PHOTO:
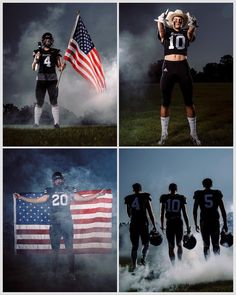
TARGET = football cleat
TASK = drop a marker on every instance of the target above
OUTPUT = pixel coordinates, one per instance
(143, 261)
(56, 126)
(163, 139)
(195, 140)
(36, 126)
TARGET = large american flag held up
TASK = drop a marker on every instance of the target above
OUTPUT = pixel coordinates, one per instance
(83, 56)
(92, 225)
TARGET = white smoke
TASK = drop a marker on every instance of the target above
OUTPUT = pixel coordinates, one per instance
(138, 52)
(159, 274)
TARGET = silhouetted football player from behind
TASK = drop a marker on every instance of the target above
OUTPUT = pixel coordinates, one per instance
(172, 208)
(209, 201)
(138, 205)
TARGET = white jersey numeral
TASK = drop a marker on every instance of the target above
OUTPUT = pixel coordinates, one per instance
(179, 42)
(47, 61)
(60, 200)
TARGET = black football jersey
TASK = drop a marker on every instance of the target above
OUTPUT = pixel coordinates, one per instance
(138, 205)
(48, 60)
(60, 199)
(173, 205)
(175, 42)
(209, 201)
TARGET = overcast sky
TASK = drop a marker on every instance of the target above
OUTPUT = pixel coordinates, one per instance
(23, 26)
(139, 45)
(155, 169)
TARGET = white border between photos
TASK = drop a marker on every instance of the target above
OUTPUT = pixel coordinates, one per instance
(117, 148)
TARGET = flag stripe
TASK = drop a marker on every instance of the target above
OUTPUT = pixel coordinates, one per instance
(80, 64)
(84, 58)
(92, 225)
(76, 246)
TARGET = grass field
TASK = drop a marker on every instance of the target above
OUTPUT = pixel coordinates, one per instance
(140, 119)
(67, 136)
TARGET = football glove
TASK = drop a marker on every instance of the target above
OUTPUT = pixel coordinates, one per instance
(162, 18)
(192, 21)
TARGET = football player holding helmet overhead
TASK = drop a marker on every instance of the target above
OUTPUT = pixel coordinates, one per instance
(59, 197)
(138, 205)
(209, 201)
(172, 208)
(46, 60)
(176, 30)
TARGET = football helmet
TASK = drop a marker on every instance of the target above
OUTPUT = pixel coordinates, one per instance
(226, 239)
(47, 39)
(189, 241)
(155, 237)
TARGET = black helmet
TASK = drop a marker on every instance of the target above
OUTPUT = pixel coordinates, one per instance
(226, 239)
(49, 36)
(57, 175)
(189, 241)
(155, 237)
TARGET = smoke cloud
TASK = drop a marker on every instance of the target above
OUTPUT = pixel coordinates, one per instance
(159, 274)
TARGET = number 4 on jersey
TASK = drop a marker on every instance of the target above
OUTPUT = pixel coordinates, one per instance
(47, 61)
(135, 204)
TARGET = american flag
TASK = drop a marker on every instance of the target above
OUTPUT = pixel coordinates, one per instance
(92, 225)
(83, 56)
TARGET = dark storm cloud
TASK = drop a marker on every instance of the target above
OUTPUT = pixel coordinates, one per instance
(23, 26)
(139, 45)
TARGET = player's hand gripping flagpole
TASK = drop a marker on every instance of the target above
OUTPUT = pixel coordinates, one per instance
(83, 56)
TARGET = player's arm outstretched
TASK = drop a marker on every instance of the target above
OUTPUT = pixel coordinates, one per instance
(224, 216)
(41, 199)
(79, 197)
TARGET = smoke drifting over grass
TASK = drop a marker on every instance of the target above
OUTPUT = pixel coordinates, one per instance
(159, 274)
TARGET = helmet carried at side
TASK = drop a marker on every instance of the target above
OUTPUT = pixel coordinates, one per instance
(189, 241)
(155, 237)
(226, 239)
